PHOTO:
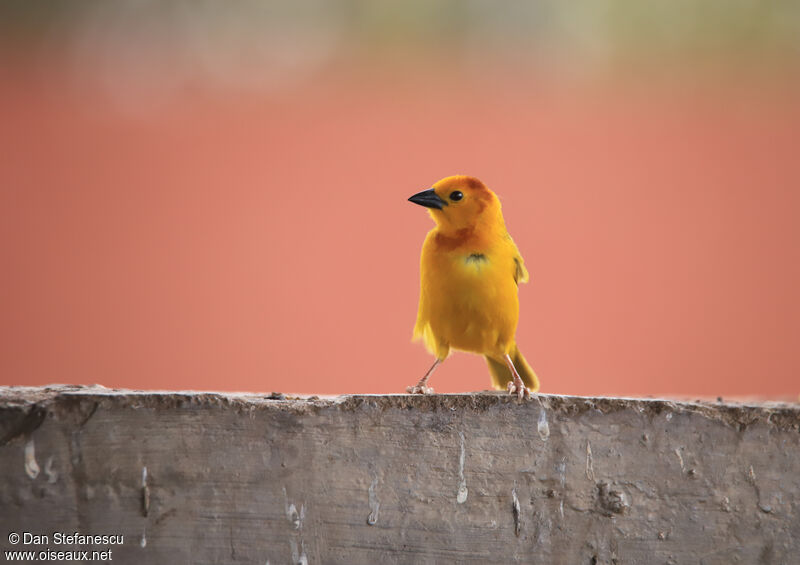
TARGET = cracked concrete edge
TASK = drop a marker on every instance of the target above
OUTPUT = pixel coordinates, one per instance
(32, 403)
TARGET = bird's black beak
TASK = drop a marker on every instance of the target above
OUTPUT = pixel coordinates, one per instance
(429, 199)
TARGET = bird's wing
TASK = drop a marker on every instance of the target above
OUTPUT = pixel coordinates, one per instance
(520, 272)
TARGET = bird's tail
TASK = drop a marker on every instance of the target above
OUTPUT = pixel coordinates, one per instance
(501, 375)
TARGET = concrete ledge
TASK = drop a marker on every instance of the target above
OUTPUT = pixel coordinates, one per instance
(472, 478)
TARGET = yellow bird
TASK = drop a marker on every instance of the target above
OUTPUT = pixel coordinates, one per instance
(470, 269)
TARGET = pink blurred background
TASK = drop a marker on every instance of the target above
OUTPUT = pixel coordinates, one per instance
(215, 198)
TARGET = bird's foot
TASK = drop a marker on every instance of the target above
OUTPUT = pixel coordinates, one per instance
(519, 389)
(419, 389)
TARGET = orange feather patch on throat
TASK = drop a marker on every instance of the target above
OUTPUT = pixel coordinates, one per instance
(450, 242)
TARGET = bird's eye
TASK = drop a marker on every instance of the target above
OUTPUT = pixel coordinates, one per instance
(456, 195)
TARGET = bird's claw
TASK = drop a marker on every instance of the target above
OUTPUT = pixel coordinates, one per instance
(419, 389)
(519, 389)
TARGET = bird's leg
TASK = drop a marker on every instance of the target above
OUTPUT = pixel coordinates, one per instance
(422, 387)
(516, 386)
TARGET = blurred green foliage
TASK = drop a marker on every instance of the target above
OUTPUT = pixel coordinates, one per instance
(599, 30)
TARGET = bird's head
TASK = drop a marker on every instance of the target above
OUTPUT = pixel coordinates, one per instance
(460, 202)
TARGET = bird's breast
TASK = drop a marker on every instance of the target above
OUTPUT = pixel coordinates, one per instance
(471, 298)
(465, 277)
